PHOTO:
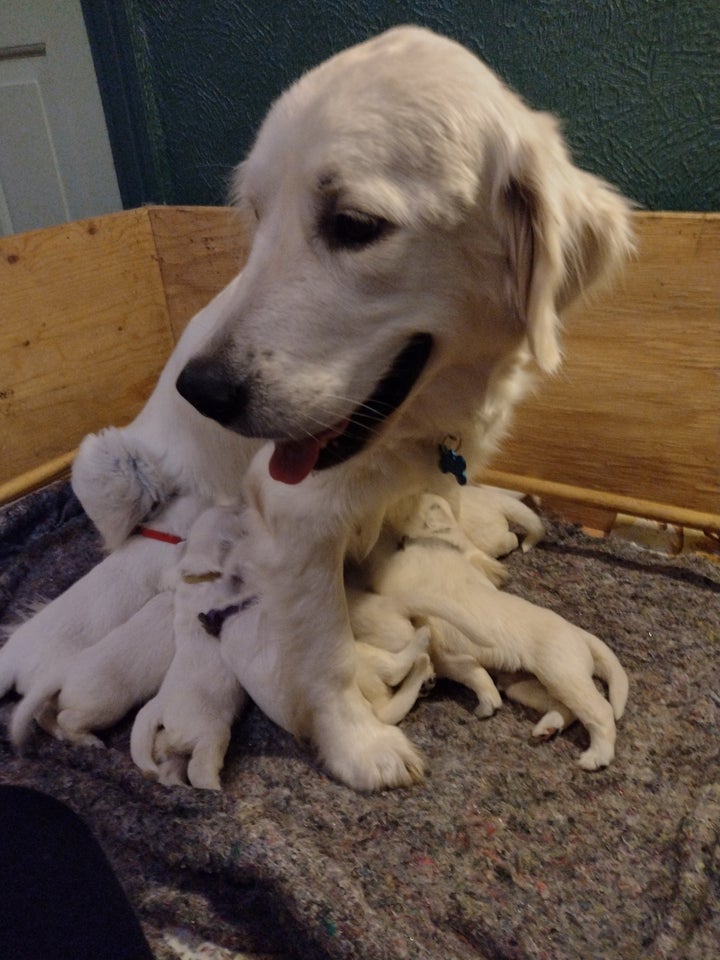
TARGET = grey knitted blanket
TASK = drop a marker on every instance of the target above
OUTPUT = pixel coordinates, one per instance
(508, 850)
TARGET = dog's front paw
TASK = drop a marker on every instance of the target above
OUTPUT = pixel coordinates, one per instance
(368, 755)
(386, 760)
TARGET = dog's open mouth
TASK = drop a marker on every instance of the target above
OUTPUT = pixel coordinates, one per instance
(292, 460)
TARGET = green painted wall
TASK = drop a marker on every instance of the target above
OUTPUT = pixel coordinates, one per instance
(637, 82)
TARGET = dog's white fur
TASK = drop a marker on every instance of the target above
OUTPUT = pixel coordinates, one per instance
(184, 731)
(508, 634)
(489, 232)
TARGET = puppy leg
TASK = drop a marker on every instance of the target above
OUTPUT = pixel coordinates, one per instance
(581, 696)
(390, 668)
(531, 693)
(465, 669)
(121, 671)
(376, 620)
(403, 699)
(207, 759)
(172, 771)
(72, 725)
(142, 738)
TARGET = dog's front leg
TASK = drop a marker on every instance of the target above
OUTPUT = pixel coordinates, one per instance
(355, 746)
(301, 669)
(299, 663)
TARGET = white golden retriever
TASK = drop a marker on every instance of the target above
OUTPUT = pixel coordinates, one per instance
(416, 231)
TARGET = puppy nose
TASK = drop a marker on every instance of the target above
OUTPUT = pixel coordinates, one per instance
(210, 388)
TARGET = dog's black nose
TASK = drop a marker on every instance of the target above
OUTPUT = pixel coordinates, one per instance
(209, 387)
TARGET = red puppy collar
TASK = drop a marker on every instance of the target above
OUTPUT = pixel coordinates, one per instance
(158, 535)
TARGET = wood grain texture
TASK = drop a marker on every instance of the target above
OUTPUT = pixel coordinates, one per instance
(83, 337)
(199, 250)
(635, 410)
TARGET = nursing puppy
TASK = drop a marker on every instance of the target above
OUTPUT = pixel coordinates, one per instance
(415, 232)
(505, 634)
(35, 658)
(94, 688)
(182, 734)
(278, 648)
(392, 681)
(485, 514)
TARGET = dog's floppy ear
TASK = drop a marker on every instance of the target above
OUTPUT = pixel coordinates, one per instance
(564, 230)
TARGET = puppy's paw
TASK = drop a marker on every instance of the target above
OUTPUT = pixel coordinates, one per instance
(206, 762)
(489, 698)
(72, 726)
(598, 755)
(549, 725)
(429, 677)
(489, 701)
(204, 779)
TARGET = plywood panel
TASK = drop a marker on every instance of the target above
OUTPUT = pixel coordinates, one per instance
(635, 409)
(84, 334)
(199, 249)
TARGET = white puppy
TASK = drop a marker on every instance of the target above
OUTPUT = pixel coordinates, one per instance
(184, 731)
(504, 633)
(484, 513)
(415, 231)
(390, 677)
(95, 687)
(37, 653)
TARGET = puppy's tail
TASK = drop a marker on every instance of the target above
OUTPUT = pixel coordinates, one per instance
(142, 739)
(33, 704)
(455, 614)
(609, 669)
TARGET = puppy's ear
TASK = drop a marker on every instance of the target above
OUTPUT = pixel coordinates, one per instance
(564, 230)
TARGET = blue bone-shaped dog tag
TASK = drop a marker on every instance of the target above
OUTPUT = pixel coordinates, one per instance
(450, 461)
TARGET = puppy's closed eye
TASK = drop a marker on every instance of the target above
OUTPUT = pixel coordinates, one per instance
(352, 229)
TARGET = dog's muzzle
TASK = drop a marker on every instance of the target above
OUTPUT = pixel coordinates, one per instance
(209, 386)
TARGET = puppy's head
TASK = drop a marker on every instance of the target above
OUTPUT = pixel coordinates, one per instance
(414, 227)
(210, 539)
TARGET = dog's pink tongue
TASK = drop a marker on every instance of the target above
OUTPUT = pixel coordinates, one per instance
(292, 460)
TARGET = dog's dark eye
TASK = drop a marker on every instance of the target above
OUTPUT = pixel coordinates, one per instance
(353, 231)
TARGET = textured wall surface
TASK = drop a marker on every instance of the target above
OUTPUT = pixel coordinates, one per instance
(637, 82)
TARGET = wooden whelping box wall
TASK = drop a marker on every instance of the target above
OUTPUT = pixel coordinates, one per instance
(89, 312)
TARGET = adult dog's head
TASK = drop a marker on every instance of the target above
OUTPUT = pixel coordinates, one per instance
(416, 230)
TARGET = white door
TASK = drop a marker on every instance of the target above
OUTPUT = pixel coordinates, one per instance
(55, 159)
